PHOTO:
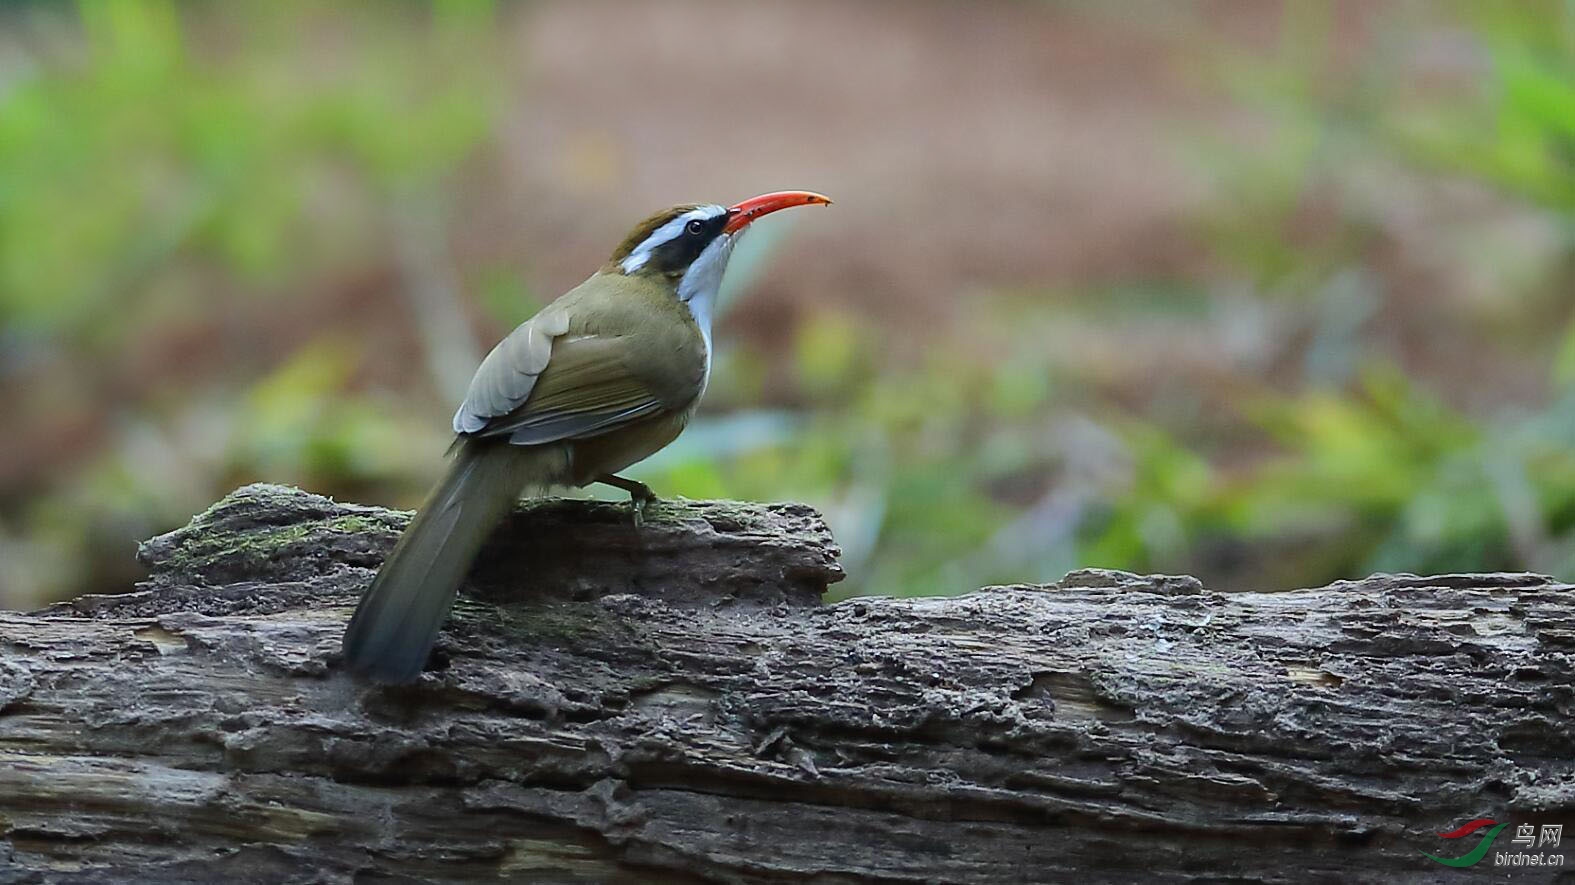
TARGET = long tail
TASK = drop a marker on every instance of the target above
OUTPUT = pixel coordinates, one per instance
(397, 622)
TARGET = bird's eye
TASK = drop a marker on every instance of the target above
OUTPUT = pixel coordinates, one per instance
(695, 226)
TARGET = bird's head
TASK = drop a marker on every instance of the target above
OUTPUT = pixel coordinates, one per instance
(689, 245)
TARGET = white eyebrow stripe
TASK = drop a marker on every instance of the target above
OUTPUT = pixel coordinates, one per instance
(642, 252)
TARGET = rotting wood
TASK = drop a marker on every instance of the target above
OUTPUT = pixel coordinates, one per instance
(676, 704)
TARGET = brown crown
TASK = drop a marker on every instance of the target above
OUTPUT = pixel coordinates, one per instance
(646, 228)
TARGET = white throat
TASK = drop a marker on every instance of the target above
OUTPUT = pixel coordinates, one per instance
(697, 290)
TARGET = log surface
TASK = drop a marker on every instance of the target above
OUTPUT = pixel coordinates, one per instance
(676, 704)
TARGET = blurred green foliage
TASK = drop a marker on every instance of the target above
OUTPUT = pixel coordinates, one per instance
(172, 174)
(964, 472)
(151, 191)
(111, 168)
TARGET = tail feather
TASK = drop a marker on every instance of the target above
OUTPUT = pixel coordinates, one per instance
(397, 621)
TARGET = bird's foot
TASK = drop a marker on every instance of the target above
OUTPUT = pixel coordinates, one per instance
(642, 502)
(641, 499)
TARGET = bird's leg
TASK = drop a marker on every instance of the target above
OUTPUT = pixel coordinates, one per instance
(640, 495)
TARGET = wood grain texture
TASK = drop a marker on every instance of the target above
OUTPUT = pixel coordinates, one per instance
(677, 705)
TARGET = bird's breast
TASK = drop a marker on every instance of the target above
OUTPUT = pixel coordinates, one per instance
(701, 308)
(613, 451)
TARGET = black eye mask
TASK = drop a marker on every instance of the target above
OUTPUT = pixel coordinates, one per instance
(675, 255)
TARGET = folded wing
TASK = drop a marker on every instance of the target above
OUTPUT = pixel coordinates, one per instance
(540, 385)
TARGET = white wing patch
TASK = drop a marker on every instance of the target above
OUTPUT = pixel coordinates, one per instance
(508, 374)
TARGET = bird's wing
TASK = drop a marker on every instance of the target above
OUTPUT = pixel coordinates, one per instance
(509, 373)
(584, 387)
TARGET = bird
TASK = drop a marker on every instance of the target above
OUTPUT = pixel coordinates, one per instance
(599, 379)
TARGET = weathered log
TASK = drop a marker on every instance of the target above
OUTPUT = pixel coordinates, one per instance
(676, 704)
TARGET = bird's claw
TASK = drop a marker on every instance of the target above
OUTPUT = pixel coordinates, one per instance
(641, 506)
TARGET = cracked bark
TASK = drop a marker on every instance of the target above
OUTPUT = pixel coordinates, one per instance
(677, 704)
